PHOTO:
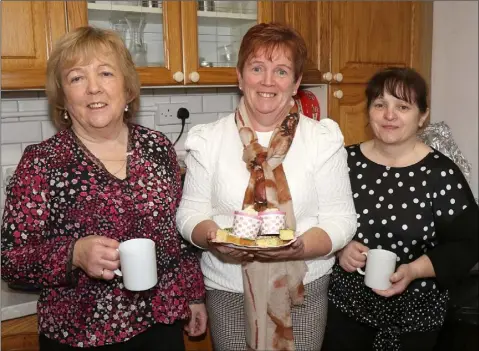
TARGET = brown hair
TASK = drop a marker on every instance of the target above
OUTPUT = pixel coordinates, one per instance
(79, 46)
(403, 83)
(269, 37)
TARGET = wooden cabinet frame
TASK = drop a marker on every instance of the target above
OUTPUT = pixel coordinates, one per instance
(77, 16)
(25, 66)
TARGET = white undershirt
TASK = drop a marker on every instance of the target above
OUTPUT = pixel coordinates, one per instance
(264, 138)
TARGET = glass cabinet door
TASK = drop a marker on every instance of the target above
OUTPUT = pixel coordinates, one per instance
(153, 41)
(212, 32)
(139, 23)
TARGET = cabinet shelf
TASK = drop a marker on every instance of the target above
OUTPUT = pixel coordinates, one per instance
(123, 8)
(104, 12)
(224, 19)
(105, 9)
(227, 15)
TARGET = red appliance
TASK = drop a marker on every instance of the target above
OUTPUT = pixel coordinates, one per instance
(308, 104)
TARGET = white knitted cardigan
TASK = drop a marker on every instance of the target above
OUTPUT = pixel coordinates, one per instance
(216, 179)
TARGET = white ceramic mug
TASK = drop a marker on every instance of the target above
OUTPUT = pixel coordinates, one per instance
(380, 265)
(138, 264)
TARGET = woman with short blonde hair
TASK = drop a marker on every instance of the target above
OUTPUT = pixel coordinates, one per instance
(99, 181)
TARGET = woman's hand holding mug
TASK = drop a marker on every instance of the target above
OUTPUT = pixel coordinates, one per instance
(351, 256)
(101, 257)
(380, 266)
(400, 280)
(97, 256)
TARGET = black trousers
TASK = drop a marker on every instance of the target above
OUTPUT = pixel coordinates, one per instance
(344, 334)
(164, 337)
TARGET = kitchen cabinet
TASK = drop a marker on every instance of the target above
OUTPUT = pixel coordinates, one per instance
(365, 37)
(348, 108)
(21, 334)
(348, 41)
(312, 20)
(173, 43)
(179, 43)
(29, 29)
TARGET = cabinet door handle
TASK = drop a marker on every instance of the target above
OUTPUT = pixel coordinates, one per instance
(338, 94)
(338, 77)
(178, 76)
(328, 76)
(194, 77)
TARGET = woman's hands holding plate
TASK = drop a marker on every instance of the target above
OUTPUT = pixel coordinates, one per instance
(294, 251)
(226, 252)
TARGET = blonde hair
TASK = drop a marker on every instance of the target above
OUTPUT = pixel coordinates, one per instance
(80, 46)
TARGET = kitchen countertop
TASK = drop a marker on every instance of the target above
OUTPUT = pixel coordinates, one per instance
(16, 304)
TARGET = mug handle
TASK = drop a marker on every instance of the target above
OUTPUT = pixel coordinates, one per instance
(360, 271)
(117, 271)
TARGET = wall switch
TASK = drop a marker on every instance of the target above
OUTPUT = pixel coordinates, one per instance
(7, 173)
(167, 113)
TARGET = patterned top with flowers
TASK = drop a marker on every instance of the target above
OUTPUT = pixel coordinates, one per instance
(59, 193)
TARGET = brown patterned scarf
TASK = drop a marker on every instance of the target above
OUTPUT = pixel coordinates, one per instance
(270, 289)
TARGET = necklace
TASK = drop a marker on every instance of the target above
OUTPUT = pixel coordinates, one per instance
(85, 138)
(121, 168)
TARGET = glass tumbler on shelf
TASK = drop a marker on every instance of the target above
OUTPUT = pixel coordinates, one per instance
(137, 45)
(224, 6)
(206, 5)
(228, 55)
(121, 27)
(151, 3)
(249, 7)
(132, 2)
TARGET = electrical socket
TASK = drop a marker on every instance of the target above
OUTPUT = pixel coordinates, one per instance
(7, 173)
(167, 114)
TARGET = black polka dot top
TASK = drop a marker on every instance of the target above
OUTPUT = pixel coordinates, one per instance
(405, 210)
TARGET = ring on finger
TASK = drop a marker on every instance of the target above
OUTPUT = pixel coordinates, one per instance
(102, 271)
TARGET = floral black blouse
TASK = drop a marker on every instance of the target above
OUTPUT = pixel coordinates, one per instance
(60, 193)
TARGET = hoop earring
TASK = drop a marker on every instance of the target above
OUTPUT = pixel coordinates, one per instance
(65, 115)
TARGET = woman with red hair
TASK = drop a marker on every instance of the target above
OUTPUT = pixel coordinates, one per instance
(268, 155)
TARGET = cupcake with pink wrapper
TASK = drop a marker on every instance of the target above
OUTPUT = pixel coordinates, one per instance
(246, 224)
(272, 220)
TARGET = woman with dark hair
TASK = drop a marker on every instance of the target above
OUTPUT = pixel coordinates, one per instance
(414, 201)
(267, 155)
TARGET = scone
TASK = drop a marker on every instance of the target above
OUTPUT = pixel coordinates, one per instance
(222, 235)
(286, 234)
(268, 241)
(247, 242)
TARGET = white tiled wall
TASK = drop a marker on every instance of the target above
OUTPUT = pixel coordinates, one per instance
(25, 117)
(25, 120)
